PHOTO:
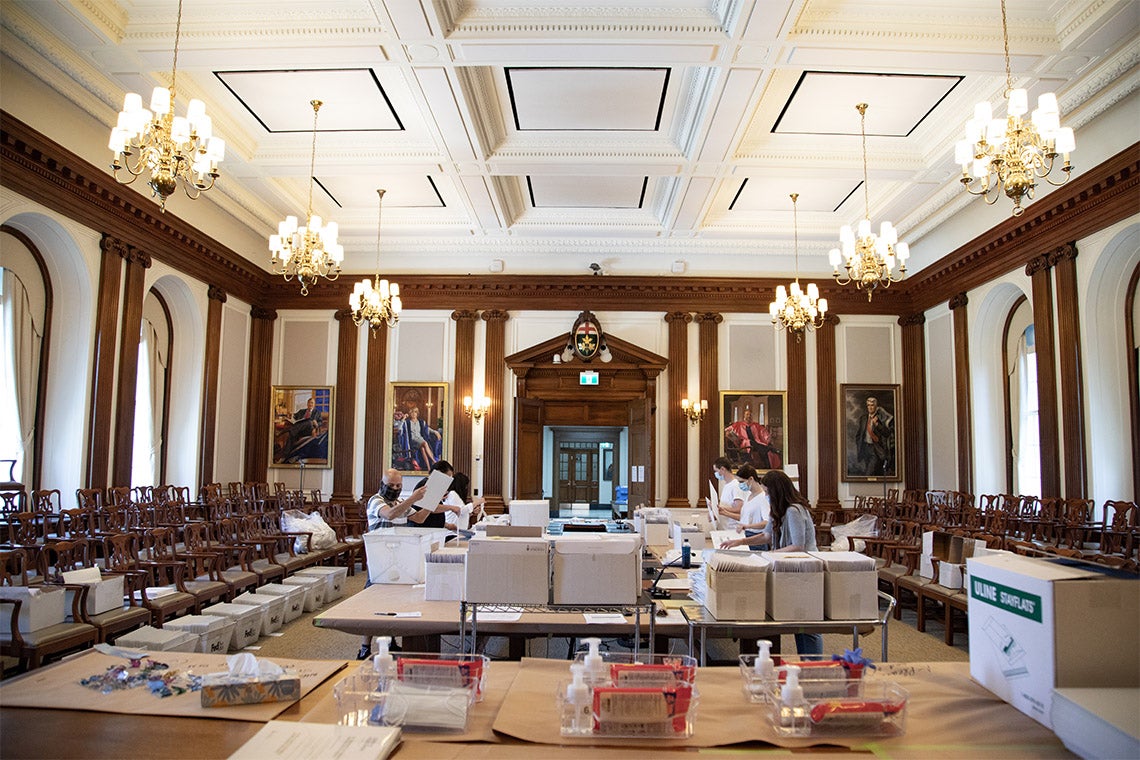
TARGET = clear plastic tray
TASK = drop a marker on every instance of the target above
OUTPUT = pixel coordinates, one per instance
(364, 699)
(628, 669)
(435, 669)
(869, 708)
(631, 712)
(820, 676)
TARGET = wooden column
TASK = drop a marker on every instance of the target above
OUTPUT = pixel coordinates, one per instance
(1038, 271)
(494, 424)
(464, 382)
(376, 386)
(103, 365)
(710, 427)
(211, 366)
(344, 426)
(678, 440)
(915, 465)
(795, 416)
(1072, 376)
(126, 389)
(964, 416)
(258, 420)
(828, 432)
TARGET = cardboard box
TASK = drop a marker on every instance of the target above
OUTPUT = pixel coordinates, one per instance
(103, 594)
(536, 512)
(315, 588)
(694, 532)
(736, 595)
(334, 579)
(1037, 625)
(246, 619)
(795, 593)
(597, 569)
(850, 586)
(652, 533)
(946, 548)
(294, 598)
(518, 531)
(396, 555)
(41, 606)
(158, 640)
(508, 570)
(445, 575)
(224, 693)
(214, 632)
(950, 575)
(272, 609)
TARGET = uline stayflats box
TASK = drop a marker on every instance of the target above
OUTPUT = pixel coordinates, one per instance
(738, 595)
(850, 586)
(597, 569)
(507, 570)
(795, 586)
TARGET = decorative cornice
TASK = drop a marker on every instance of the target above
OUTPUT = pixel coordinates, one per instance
(918, 318)
(260, 312)
(216, 294)
(958, 301)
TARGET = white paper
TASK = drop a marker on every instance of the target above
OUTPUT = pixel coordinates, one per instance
(610, 618)
(288, 740)
(674, 584)
(436, 487)
(713, 503)
(499, 617)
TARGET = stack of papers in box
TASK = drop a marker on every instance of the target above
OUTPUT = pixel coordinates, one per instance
(214, 632)
(158, 640)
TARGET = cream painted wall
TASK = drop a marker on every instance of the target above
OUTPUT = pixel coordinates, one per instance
(941, 402)
(233, 374)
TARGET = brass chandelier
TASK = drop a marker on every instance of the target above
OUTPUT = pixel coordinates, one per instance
(1009, 155)
(170, 149)
(801, 312)
(376, 301)
(309, 252)
(868, 259)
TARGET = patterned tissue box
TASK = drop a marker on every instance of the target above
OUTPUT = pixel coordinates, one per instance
(228, 692)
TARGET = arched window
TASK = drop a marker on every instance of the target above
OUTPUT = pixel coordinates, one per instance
(152, 393)
(1023, 435)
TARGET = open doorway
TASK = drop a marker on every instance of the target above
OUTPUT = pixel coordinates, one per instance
(584, 470)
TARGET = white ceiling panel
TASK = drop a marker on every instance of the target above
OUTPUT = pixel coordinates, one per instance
(586, 192)
(771, 194)
(603, 99)
(353, 99)
(401, 190)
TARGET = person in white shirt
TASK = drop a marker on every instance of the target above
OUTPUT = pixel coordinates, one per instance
(461, 509)
(756, 512)
(731, 501)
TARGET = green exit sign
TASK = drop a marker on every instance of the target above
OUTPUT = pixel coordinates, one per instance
(587, 378)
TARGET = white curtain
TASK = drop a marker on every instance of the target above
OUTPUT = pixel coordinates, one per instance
(1027, 454)
(19, 372)
(149, 382)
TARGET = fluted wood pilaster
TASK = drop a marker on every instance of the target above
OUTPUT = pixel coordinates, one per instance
(211, 366)
(915, 466)
(376, 386)
(344, 432)
(103, 363)
(135, 263)
(964, 417)
(258, 420)
(677, 472)
(1038, 271)
(828, 431)
(795, 416)
(710, 427)
(1072, 375)
(494, 424)
(464, 386)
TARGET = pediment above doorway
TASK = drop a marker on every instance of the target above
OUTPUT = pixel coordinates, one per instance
(625, 357)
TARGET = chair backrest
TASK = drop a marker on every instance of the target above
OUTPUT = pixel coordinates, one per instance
(59, 557)
(46, 501)
(89, 498)
(1119, 516)
(119, 496)
(75, 523)
(160, 543)
(13, 567)
(121, 551)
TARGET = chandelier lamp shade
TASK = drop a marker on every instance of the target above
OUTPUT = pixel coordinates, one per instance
(794, 309)
(694, 410)
(308, 252)
(376, 301)
(1009, 155)
(868, 259)
(171, 150)
(476, 408)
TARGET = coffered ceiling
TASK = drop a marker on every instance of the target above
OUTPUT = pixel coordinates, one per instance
(548, 136)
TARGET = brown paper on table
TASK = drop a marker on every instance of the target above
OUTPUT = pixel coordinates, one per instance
(945, 709)
(57, 687)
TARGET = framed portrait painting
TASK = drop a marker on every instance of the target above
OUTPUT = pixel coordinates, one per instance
(871, 428)
(753, 428)
(302, 426)
(420, 430)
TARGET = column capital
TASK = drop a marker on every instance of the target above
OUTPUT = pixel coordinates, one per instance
(215, 293)
(709, 316)
(958, 301)
(464, 314)
(340, 315)
(918, 318)
(678, 316)
(1038, 264)
(260, 312)
(1066, 251)
(495, 315)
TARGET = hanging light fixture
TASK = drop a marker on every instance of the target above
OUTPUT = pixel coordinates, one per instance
(376, 301)
(170, 149)
(802, 311)
(1009, 155)
(868, 259)
(310, 252)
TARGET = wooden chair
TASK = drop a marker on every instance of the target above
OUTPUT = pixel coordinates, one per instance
(261, 553)
(1076, 523)
(60, 556)
(950, 599)
(1118, 529)
(233, 561)
(123, 555)
(200, 577)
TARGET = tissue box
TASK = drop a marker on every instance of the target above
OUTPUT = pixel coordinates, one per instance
(314, 589)
(103, 594)
(158, 640)
(535, 512)
(735, 595)
(508, 570)
(246, 619)
(294, 599)
(214, 632)
(597, 570)
(795, 587)
(396, 555)
(41, 607)
(694, 532)
(225, 693)
(445, 574)
(850, 586)
(272, 609)
(334, 579)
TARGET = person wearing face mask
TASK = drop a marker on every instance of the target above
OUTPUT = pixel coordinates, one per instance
(386, 509)
(731, 500)
(754, 515)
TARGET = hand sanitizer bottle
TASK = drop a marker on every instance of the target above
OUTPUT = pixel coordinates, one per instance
(762, 686)
(793, 705)
(383, 664)
(577, 710)
(595, 669)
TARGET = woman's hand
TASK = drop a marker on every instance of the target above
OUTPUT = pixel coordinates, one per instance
(729, 544)
(739, 528)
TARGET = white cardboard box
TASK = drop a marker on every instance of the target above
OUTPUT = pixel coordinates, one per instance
(535, 512)
(694, 532)
(247, 622)
(1037, 625)
(396, 555)
(946, 548)
(850, 586)
(103, 594)
(597, 569)
(1098, 722)
(504, 569)
(272, 609)
(315, 588)
(737, 595)
(294, 598)
(214, 632)
(652, 533)
(951, 575)
(334, 578)
(445, 574)
(158, 640)
(795, 595)
(41, 606)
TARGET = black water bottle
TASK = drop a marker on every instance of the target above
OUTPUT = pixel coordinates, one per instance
(686, 554)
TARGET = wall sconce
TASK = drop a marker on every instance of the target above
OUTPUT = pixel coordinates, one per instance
(476, 408)
(694, 410)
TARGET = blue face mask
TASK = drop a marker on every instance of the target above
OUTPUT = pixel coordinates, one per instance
(717, 475)
(743, 486)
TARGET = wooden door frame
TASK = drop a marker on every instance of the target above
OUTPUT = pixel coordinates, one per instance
(581, 434)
